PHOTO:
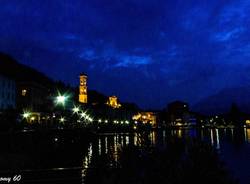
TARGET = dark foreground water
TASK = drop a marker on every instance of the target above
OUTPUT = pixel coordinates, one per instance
(72, 158)
(232, 146)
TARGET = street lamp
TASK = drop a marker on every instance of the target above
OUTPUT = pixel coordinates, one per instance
(61, 99)
(83, 114)
(76, 110)
(62, 119)
(26, 115)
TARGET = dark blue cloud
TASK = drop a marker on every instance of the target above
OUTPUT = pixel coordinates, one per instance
(145, 51)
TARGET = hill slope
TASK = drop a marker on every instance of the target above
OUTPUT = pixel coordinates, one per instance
(222, 101)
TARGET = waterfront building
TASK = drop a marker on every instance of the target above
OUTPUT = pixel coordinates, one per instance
(30, 90)
(146, 117)
(32, 96)
(178, 113)
(7, 93)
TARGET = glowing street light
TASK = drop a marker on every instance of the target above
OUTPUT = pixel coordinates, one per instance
(76, 110)
(61, 99)
(83, 114)
(87, 117)
(62, 119)
(26, 115)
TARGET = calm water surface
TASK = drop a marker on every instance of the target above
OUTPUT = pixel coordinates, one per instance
(54, 158)
(233, 146)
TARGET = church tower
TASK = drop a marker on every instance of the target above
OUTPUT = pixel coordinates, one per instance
(83, 96)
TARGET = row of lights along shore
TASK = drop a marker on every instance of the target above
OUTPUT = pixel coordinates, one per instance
(62, 100)
(83, 115)
(114, 121)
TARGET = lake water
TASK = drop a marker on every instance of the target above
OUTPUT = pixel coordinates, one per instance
(59, 158)
(232, 145)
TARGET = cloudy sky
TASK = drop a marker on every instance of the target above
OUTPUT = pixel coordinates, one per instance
(144, 51)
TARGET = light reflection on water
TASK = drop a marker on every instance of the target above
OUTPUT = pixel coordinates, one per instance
(87, 161)
(247, 135)
(217, 139)
(212, 137)
(112, 144)
(106, 145)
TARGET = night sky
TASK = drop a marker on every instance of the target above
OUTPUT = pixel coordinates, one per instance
(148, 52)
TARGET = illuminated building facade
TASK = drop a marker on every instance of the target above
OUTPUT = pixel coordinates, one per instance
(7, 93)
(146, 117)
(178, 113)
(113, 102)
(83, 96)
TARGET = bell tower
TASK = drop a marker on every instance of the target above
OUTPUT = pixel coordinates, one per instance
(83, 96)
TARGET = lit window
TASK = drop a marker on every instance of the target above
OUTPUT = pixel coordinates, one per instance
(24, 92)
